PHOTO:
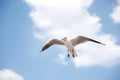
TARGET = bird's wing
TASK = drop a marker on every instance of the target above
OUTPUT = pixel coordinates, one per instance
(51, 42)
(81, 39)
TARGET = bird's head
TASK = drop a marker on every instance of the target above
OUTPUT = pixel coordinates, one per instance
(64, 39)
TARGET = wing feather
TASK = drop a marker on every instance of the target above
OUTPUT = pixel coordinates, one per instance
(52, 42)
(82, 39)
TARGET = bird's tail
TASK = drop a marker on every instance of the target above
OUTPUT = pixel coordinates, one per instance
(96, 41)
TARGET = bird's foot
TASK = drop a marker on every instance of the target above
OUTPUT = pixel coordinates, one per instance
(68, 55)
(73, 55)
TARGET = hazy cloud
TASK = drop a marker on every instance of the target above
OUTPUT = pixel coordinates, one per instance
(115, 15)
(61, 59)
(7, 74)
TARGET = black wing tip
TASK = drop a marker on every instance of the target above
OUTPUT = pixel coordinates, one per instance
(41, 51)
(103, 44)
(97, 42)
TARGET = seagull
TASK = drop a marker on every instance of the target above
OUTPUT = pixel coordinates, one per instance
(69, 43)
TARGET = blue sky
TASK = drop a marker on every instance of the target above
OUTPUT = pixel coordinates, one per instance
(22, 37)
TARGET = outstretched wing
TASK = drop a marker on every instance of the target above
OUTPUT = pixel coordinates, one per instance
(82, 39)
(51, 42)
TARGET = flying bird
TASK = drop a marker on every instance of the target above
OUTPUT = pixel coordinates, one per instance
(69, 43)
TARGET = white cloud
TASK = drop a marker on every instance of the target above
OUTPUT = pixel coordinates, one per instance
(92, 54)
(57, 18)
(61, 59)
(115, 15)
(7, 74)
(54, 19)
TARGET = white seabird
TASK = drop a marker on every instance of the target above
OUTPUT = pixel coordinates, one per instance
(69, 43)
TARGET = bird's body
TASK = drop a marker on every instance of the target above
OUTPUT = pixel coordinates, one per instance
(70, 48)
(69, 43)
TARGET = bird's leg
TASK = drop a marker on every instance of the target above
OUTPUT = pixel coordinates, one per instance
(74, 53)
(68, 54)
